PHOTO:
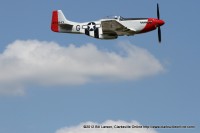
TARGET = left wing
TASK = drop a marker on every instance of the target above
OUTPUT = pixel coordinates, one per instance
(112, 26)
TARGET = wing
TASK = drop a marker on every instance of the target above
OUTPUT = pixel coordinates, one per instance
(114, 27)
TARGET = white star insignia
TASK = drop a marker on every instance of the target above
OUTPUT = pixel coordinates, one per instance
(91, 26)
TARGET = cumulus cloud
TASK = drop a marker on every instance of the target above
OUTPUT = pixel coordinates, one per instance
(107, 127)
(40, 63)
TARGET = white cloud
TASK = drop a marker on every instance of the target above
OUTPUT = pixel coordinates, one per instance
(47, 63)
(135, 128)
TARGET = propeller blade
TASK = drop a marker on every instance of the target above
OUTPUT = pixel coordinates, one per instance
(158, 12)
(159, 34)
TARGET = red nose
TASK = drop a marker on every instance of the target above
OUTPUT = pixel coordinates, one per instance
(160, 22)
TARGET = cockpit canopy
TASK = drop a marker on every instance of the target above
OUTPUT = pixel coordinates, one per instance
(114, 17)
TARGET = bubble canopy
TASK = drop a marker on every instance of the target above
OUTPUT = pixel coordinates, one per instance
(114, 17)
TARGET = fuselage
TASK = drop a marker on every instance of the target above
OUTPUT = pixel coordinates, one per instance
(139, 25)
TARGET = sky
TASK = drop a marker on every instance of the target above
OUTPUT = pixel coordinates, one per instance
(57, 83)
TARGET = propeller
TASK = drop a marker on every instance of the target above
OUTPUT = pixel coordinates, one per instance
(159, 34)
(158, 12)
(159, 29)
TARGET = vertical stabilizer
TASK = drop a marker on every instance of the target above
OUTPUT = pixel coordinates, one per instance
(59, 23)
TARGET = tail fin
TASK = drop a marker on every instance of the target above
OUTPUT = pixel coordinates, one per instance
(58, 22)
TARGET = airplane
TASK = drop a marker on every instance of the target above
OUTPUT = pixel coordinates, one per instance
(107, 28)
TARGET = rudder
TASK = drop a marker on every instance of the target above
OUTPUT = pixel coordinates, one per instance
(54, 22)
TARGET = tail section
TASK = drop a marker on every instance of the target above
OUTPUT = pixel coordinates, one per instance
(59, 23)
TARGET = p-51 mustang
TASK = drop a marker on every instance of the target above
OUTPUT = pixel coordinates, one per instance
(108, 28)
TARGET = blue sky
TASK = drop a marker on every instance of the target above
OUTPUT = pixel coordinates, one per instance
(166, 97)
